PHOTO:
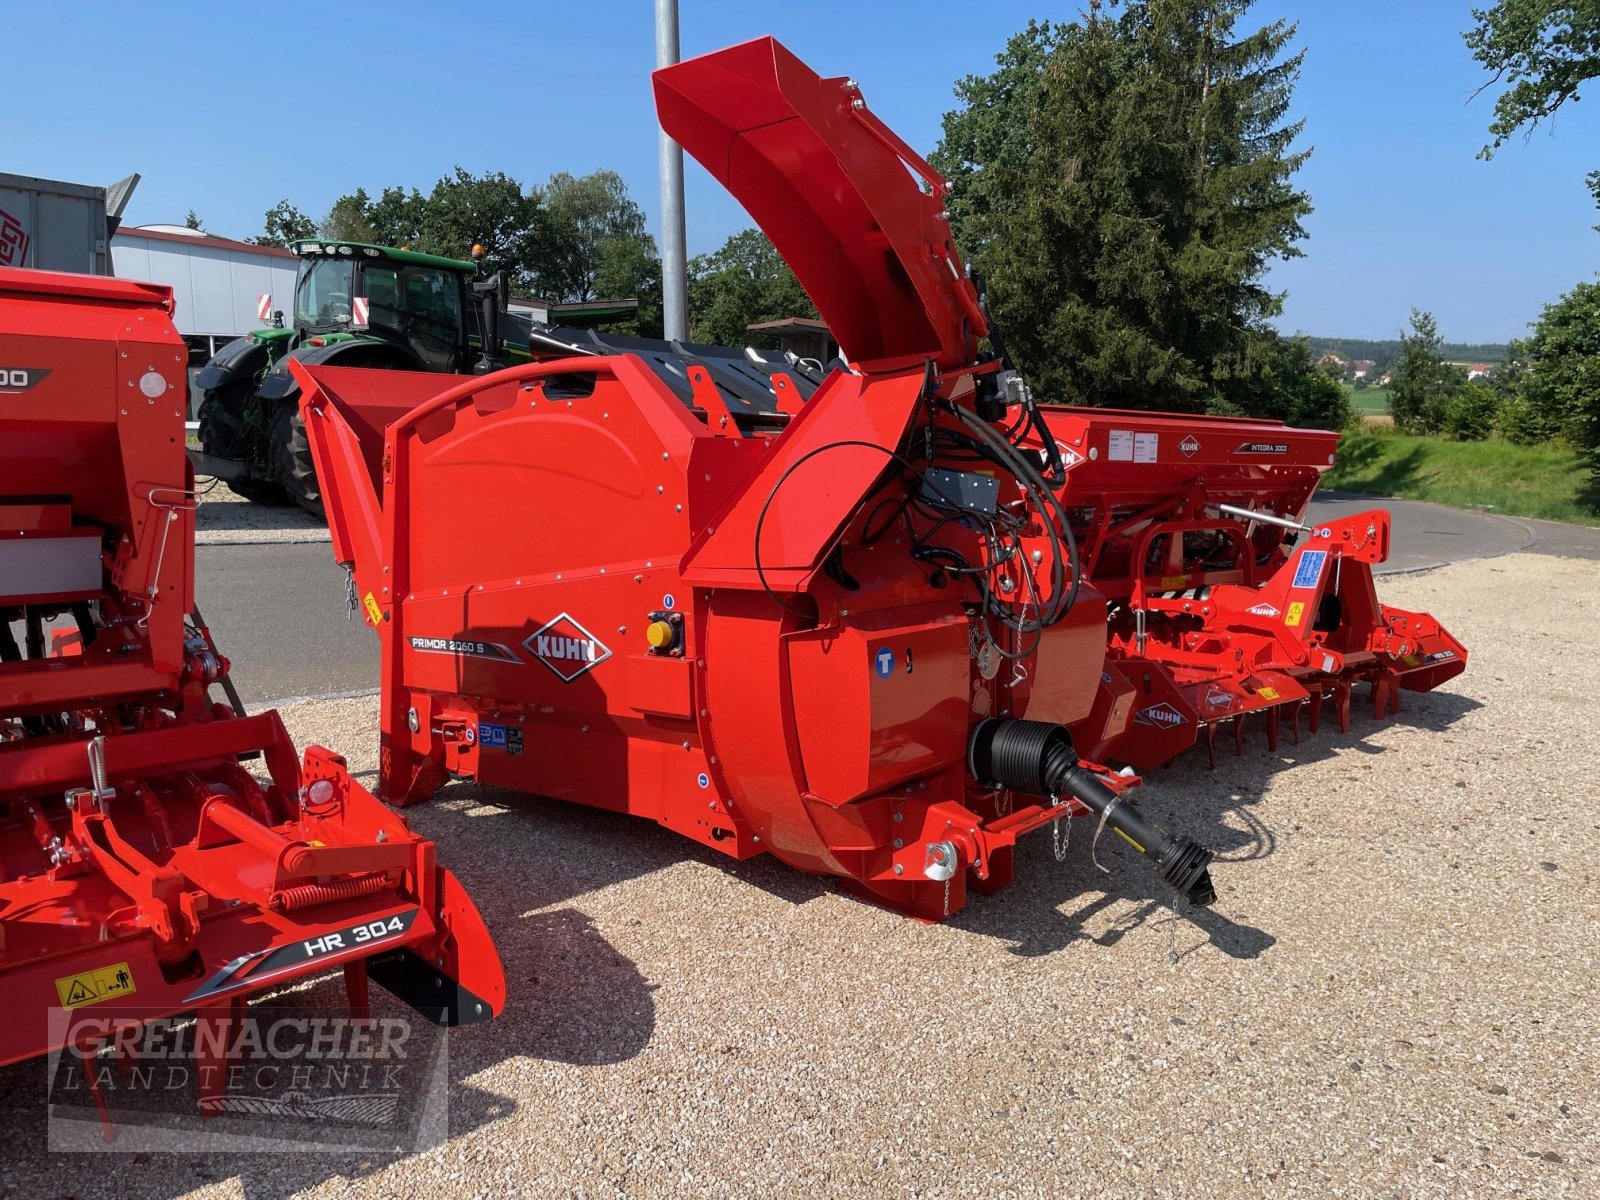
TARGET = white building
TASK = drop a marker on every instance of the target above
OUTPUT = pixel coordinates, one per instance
(216, 282)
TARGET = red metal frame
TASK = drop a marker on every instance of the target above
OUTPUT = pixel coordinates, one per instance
(144, 871)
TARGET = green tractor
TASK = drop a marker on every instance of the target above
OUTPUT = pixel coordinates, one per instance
(354, 305)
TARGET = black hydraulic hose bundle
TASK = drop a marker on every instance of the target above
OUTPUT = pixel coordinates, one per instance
(1045, 504)
(1037, 758)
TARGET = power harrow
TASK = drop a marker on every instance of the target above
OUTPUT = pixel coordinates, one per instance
(880, 625)
(161, 852)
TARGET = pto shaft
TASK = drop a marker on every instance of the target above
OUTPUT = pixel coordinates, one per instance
(1037, 758)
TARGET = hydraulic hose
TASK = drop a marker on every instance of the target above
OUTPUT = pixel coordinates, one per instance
(1037, 758)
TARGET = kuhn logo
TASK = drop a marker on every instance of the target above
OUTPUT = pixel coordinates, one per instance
(1264, 610)
(567, 648)
(20, 379)
(1190, 446)
(1069, 457)
(1163, 715)
(462, 647)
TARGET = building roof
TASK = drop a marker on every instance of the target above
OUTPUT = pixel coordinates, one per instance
(196, 237)
(789, 325)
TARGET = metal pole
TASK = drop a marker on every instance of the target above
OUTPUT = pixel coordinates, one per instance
(674, 256)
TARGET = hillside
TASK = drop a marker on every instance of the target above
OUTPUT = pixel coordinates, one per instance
(1383, 352)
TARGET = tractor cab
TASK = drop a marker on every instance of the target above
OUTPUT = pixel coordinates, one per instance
(349, 290)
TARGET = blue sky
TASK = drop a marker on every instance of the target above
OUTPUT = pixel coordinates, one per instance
(226, 113)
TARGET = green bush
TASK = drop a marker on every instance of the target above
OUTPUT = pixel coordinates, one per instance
(1470, 415)
(1282, 381)
(1521, 423)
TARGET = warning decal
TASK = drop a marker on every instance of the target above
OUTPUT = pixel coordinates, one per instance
(374, 613)
(1296, 610)
(91, 987)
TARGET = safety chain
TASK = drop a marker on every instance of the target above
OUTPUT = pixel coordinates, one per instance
(349, 589)
(1180, 908)
(1058, 843)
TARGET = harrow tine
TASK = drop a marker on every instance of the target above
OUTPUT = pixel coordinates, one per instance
(1294, 715)
(1385, 695)
(89, 1050)
(1341, 703)
(355, 989)
(1272, 728)
(1316, 710)
(1211, 745)
(1238, 736)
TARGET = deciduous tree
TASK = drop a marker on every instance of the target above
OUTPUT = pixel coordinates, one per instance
(740, 284)
(1421, 383)
(1543, 52)
(284, 223)
(1562, 386)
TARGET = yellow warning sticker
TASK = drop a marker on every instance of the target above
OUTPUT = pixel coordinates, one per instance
(91, 987)
(1173, 583)
(1267, 693)
(1296, 610)
(374, 613)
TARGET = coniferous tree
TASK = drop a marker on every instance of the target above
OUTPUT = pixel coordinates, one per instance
(1127, 229)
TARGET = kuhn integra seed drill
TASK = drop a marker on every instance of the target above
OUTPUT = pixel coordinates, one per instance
(879, 624)
(161, 852)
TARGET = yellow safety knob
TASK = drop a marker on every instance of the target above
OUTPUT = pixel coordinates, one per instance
(659, 634)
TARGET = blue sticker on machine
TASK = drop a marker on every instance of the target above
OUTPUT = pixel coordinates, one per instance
(1310, 568)
(883, 662)
(492, 737)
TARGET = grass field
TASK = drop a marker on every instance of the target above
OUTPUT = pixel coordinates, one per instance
(1369, 400)
(1524, 481)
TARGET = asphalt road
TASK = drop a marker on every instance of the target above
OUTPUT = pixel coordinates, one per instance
(278, 610)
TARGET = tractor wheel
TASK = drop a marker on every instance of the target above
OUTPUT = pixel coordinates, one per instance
(222, 433)
(291, 458)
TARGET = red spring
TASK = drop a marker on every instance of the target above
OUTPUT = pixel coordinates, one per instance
(309, 895)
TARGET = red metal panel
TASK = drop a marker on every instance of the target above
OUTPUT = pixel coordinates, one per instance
(897, 680)
(838, 195)
(809, 484)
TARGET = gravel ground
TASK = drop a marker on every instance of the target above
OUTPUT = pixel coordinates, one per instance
(226, 519)
(1395, 995)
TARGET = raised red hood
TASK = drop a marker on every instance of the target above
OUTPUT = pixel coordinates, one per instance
(839, 195)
